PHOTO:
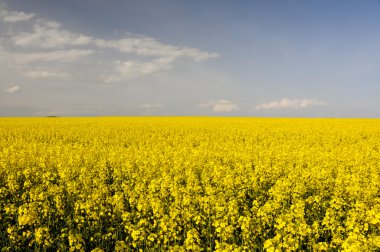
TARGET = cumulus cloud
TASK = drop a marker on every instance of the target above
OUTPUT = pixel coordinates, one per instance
(220, 106)
(290, 104)
(13, 16)
(13, 89)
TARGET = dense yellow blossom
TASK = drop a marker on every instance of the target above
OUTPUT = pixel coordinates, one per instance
(189, 184)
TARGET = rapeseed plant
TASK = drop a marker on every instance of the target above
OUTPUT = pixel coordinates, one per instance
(189, 184)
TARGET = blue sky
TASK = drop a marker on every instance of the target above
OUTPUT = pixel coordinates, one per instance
(286, 58)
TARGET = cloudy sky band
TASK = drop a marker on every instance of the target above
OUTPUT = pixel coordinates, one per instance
(265, 72)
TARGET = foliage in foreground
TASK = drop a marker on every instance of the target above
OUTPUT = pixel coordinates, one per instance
(199, 184)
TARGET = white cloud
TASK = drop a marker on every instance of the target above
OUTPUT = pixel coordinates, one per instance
(12, 90)
(44, 74)
(164, 57)
(145, 46)
(58, 55)
(13, 16)
(49, 113)
(290, 104)
(150, 108)
(17, 16)
(135, 69)
(47, 34)
(42, 43)
(220, 106)
(151, 105)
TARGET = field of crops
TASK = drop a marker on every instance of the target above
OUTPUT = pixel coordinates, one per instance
(189, 184)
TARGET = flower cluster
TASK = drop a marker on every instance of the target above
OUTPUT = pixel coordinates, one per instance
(189, 184)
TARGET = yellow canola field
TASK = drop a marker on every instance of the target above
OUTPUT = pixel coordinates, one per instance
(189, 184)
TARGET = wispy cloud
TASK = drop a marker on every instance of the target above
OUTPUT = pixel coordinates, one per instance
(151, 105)
(220, 106)
(135, 69)
(43, 56)
(13, 16)
(290, 104)
(150, 108)
(44, 74)
(13, 89)
(45, 43)
(49, 34)
(145, 46)
(154, 57)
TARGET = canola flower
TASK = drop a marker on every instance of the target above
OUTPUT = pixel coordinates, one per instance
(189, 184)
